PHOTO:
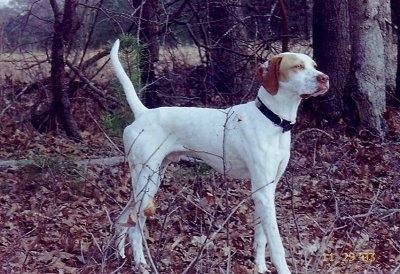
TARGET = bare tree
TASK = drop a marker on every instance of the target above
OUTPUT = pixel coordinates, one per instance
(229, 35)
(146, 21)
(332, 54)
(221, 42)
(63, 29)
(68, 64)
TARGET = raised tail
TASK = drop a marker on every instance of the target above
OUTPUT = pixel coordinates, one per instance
(131, 96)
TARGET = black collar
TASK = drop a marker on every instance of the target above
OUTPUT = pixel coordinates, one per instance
(284, 124)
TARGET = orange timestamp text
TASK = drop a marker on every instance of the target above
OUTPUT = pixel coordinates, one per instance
(349, 257)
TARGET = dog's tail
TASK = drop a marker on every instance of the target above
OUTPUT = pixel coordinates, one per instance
(131, 96)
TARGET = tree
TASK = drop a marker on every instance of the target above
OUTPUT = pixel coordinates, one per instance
(358, 98)
(221, 44)
(229, 34)
(69, 42)
(389, 43)
(332, 54)
(64, 25)
(396, 16)
(147, 32)
(5, 15)
(367, 69)
(29, 29)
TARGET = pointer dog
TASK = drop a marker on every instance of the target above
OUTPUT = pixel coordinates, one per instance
(249, 140)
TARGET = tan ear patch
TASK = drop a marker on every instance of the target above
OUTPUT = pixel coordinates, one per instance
(269, 77)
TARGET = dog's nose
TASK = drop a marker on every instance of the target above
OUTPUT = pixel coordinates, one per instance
(322, 78)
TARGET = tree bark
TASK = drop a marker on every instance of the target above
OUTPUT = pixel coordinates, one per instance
(332, 53)
(388, 34)
(221, 42)
(148, 38)
(395, 4)
(224, 44)
(285, 26)
(367, 72)
(63, 25)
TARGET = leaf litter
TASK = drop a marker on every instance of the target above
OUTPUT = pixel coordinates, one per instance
(338, 207)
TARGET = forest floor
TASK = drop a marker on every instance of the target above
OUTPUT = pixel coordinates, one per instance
(338, 204)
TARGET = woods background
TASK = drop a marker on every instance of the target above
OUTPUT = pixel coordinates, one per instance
(60, 108)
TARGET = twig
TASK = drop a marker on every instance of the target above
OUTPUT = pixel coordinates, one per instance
(298, 135)
(90, 84)
(212, 237)
(194, 204)
(105, 134)
(370, 212)
(396, 270)
(229, 114)
(146, 246)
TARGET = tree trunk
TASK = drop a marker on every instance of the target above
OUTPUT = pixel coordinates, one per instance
(224, 44)
(221, 42)
(396, 17)
(285, 26)
(332, 54)
(387, 30)
(63, 23)
(367, 73)
(148, 38)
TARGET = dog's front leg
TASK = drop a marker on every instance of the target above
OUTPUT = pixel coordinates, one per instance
(264, 201)
(260, 242)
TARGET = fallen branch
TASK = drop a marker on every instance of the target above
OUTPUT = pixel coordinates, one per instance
(107, 161)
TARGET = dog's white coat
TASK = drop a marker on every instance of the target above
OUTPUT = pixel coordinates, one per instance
(238, 141)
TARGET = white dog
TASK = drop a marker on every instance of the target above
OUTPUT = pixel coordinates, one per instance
(249, 140)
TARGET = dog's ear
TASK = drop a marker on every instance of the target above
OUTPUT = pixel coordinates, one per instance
(269, 75)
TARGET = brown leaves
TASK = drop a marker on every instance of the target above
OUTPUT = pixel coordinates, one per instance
(339, 197)
(333, 200)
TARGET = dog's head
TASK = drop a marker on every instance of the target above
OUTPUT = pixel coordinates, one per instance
(293, 72)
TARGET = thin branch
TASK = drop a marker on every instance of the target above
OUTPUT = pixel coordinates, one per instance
(90, 84)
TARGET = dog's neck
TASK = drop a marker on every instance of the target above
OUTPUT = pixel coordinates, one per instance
(283, 104)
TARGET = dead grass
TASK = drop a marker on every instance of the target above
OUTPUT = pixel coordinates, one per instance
(24, 67)
(29, 67)
(183, 55)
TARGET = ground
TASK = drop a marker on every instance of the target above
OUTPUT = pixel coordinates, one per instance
(338, 204)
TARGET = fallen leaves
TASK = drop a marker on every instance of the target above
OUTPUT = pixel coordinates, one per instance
(339, 197)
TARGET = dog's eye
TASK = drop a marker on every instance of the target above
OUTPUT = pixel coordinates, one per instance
(300, 66)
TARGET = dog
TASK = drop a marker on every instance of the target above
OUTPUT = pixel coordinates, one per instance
(250, 140)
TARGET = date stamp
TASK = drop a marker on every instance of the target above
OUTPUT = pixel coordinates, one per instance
(349, 257)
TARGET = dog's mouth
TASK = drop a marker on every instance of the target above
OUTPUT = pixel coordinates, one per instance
(322, 89)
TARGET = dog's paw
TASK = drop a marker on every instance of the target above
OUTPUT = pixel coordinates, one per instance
(120, 246)
(143, 268)
(140, 260)
(261, 267)
(120, 253)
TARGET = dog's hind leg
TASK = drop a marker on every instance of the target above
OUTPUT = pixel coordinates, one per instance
(124, 221)
(145, 181)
